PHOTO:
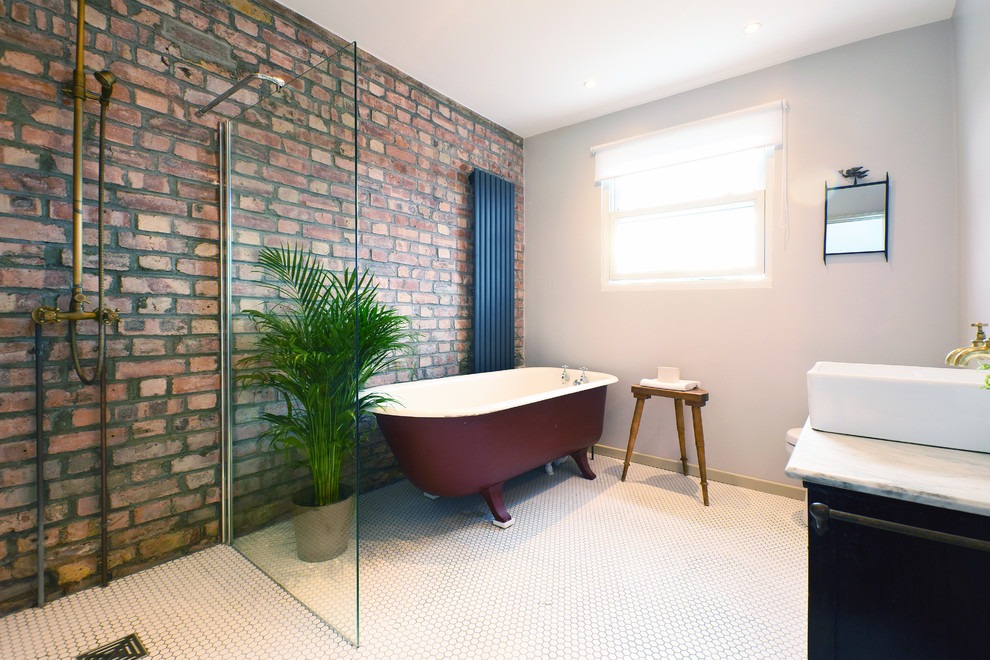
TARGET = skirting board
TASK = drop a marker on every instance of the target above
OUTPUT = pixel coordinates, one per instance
(753, 483)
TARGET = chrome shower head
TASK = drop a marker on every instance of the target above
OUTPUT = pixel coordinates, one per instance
(278, 83)
(106, 80)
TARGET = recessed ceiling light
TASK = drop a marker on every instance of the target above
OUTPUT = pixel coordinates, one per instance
(590, 82)
(752, 27)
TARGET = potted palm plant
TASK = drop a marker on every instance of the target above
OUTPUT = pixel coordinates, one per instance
(318, 346)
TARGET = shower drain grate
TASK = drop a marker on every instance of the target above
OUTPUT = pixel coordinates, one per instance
(125, 647)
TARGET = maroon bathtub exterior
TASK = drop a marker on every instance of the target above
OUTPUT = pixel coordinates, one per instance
(455, 456)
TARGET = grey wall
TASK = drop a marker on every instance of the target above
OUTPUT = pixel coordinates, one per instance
(971, 23)
(885, 103)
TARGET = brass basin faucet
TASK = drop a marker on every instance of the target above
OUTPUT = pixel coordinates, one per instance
(979, 350)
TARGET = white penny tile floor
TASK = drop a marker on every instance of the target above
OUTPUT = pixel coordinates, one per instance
(590, 569)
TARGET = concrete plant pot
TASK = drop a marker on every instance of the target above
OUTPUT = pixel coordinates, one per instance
(322, 532)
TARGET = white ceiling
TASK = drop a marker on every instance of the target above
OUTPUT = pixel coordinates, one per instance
(522, 63)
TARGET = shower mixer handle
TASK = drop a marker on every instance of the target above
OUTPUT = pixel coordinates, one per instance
(45, 314)
(107, 315)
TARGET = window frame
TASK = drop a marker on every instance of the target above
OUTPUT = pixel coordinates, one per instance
(659, 280)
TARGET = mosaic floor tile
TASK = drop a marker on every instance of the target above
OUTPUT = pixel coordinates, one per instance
(591, 569)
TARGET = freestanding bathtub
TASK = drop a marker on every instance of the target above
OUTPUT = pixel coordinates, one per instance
(468, 434)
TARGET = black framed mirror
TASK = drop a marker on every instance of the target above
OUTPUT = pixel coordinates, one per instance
(856, 219)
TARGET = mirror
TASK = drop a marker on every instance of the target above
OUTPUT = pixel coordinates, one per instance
(856, 219)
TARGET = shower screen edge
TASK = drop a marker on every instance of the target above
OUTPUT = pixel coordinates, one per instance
(288, 174)
(226, 348)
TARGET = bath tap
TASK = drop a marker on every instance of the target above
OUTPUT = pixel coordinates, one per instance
(583, 378)
(979, 350)
(969, 354)
(563, 376)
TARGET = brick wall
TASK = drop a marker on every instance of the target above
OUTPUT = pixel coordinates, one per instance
(416, 149)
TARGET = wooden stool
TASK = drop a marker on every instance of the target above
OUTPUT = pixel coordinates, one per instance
(695, 398)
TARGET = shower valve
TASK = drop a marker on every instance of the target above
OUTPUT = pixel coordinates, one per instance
(45, 314)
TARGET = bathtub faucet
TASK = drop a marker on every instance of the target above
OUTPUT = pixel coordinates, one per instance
(583, 378)
(563, 376)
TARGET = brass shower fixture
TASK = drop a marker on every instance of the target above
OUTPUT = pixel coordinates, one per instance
(48, 314)
(77, 312)
(102, 315)
(107, 80)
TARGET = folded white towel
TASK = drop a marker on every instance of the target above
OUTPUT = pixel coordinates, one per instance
(682, 385)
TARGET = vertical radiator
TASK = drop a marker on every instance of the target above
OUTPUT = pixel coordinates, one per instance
(494, 281)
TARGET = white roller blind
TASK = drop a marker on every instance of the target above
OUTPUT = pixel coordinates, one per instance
(760, 126)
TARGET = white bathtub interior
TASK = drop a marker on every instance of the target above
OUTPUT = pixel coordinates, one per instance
(477, 394)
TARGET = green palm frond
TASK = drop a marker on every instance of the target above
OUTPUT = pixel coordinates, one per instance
(318, 346)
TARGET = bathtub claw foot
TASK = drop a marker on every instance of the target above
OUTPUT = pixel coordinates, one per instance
(493, 497)
(581, 458)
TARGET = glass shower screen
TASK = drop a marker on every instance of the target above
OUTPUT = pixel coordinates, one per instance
(288, 182)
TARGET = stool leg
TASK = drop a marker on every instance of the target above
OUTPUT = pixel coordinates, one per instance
(633, 430)
(679, 416)
(699, 442)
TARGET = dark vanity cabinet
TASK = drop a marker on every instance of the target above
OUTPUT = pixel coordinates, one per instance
(895, 579)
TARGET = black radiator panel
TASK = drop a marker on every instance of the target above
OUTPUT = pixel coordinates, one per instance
(494, 279)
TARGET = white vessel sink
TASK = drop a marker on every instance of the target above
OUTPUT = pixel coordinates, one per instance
(941, 407)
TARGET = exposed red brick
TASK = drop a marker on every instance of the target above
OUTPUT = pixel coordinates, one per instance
(156, 203)
(199, 441)
(199, 383)
(13, 498)
(154, 285)
(151, 511)
(415, 151)
(76, 571)
(194, 462)
(124, 497)
(166, 543)
(29, 40)
(146, 368)
(199, 479)
(202, 401)
(146, 451)
(187, 502)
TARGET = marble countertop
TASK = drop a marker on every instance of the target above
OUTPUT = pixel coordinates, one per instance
(947, 478)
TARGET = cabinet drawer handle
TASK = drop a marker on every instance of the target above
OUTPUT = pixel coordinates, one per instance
(821, 514)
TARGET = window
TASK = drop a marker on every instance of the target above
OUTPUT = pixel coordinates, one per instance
(688, 204)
